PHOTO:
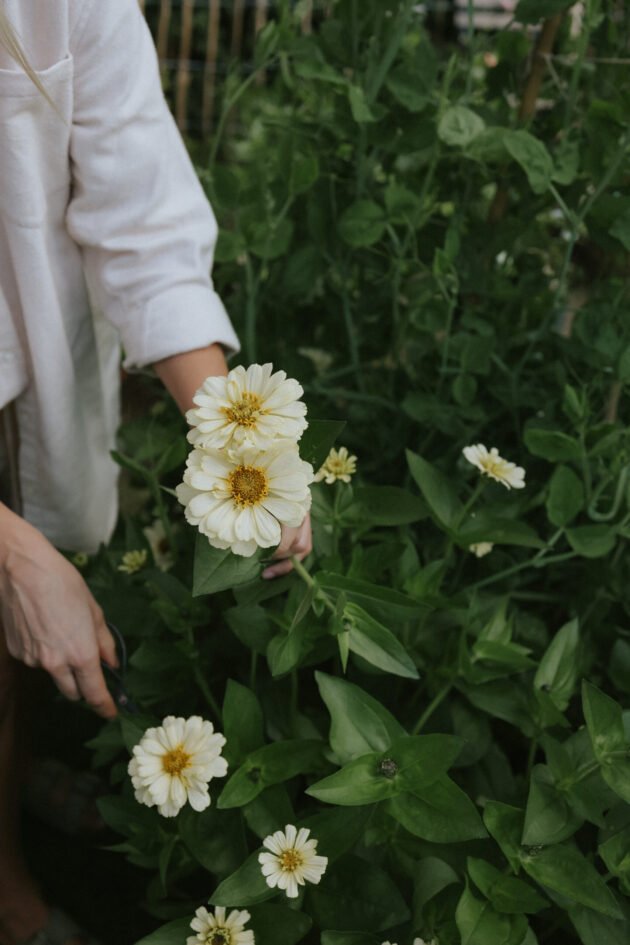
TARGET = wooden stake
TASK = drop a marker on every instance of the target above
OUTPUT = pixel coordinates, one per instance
(164, 24)
(307, 19)
(210, 67)
(238, 12)
(182, 82)
(260, 22)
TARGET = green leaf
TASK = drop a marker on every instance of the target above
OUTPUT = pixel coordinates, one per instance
(549, 817)
(566, 496)
(242, 720)
(596, 929)
(436, 489)
(359, 723)
(604, 720)
(621, 229)
(531, 11)
(592, 541)
(500, 531)
(551, 444)
(362, 224)
(215, 570)
(215, 839)
(506, 893)
(389, 505)
(173, 933)
(278, 925)
(361, 111)
(375, 643)
(403, 84)
(440, 813)
(410, 764)
(304, 173)
(271, 764)
(245, 887)
(317, 439)
(566, 871)
(558, 669)
(337, 831)
(392, 602)
(505, 824)
(357, 896)
(431, 875)
(267, 810)
(533, 157)
(458, 126)
(480, 924)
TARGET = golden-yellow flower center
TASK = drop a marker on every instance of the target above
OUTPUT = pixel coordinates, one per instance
(248, 484)
(246, 412)
(494, 467)
(219, 936)
(290, 860)
(176, 761)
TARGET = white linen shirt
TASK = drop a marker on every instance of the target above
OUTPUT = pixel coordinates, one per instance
(105, 237)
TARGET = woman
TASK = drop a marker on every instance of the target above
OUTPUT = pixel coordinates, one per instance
(105, 237)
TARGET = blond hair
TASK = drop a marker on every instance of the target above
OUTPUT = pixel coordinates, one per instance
(9, 40)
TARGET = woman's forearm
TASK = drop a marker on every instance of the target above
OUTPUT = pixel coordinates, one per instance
(183, 374)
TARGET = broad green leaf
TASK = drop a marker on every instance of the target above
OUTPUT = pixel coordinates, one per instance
(358, 723)
(596, 929)
(604, 720)
(615, 852)
(245, 887)
(357, 896)
(551, 444)
(362, 224)
(304, 173)
(500, 531)
(480, 924)
(390, 505)
(403, 84)
(440, 813)
(242, 721)
(567, 871)
(278, 924)
(267, 810)
(566, 496)
(271, 764)
(621, 229)
(549, 817)
(505, 824)
(459, 125)
(506, 893)
(250, 623)
(531, 11)
(533, 157)
(390, 601)
(375, 643)
(215, 570)
(317, 440)
(411, 763)
(337, 830)
(431, 875)
(215, 839)
(592, 541)
(173, 933)
(438, 491)
(361, 111)
(558, 669)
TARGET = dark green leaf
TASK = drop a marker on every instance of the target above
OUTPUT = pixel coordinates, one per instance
(566, 871)
(480, 924)
(436, 489)
(375, 643)
(551, 444)
(440, 813)
(389, 505)
(271, 764)
(566, 496)
(592, 541)
(173, 933)
(533, 157)
(506, 893)
(458, 126)
(245, 887)
(215, 570)
(558, 669)
(318, 438)
(242, 720)
(357, 896)
(362, 224)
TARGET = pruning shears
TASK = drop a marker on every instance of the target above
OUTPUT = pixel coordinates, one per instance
(115, 677)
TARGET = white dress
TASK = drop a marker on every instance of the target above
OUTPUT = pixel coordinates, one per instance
(106, 238)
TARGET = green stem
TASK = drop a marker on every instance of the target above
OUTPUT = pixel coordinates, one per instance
(308, 580)
(535, 562)
(205, 689)
(250, 311)
(432, 706)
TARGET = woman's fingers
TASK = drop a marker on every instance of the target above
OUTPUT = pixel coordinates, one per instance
(91, 683)
(295, 541)
(66, 683)
(106, 642)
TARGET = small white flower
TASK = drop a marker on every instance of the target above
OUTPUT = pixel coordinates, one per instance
(337, 465)
(491, 464)
(248, 407)
(158, 542)
(239, 498)
(175, 762)
(421, 941)
(481, 548)
(292, 861)
(216, 929)
(133, 561)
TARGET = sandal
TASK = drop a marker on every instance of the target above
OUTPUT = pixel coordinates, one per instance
(61, 930)
(64, 799)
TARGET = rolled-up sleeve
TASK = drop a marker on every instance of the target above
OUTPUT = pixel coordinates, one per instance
(137, 209)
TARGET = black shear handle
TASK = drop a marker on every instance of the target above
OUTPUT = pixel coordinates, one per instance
(115, 677)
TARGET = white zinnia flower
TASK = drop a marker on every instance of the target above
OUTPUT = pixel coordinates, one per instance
(175, 762)
(250, 406)
(481, 548)
(158, 542)
(491, 464)
(239, 498)
(292, 861)
(133, 561)
(421, 941)
(337, 465)
(216, 929)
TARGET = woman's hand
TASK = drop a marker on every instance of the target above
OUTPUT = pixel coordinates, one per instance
(295, 541)
(49, 618)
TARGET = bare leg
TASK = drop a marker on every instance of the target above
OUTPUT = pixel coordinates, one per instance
(22, 909)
